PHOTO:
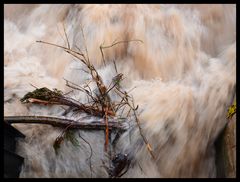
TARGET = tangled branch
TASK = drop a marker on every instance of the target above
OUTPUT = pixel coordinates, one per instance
(99, 104)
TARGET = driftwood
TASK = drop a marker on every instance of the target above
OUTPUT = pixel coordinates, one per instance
(62, 122)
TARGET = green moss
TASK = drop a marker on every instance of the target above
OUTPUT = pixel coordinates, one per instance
(69, 135)
(232, 110)
(43, 94)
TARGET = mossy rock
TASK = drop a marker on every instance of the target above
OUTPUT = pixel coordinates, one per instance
(226, 150)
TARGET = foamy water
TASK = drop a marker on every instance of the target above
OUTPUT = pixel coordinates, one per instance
(184, 73)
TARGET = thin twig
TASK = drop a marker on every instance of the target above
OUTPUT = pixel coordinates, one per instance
(65, 48)
(90, 157)
(33, 86)
(60, 34)
(80, 89)
(84, 43)
(140, 129)
(66, 36)
(115, 66)
(120, 42)
(113, 44)
(106, 129)
(103, 58)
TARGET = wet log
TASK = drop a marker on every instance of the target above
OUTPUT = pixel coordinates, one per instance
(64, 122)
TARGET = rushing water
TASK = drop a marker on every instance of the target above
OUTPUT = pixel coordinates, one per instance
(184, 73)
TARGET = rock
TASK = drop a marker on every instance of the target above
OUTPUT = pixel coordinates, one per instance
(226, 151)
